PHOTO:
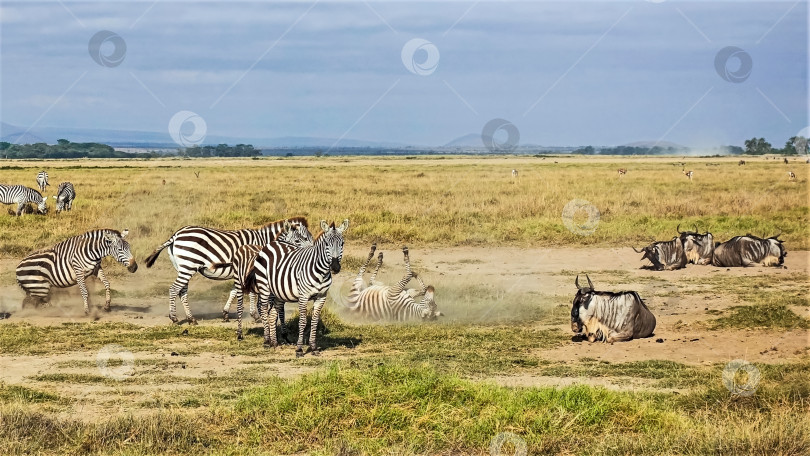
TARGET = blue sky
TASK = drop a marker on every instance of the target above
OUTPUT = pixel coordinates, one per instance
(571, 73)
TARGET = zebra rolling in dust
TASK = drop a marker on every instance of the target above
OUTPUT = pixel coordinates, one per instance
(392, 303)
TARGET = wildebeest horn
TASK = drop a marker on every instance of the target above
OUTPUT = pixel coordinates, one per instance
(678, 229)
(696, 228)
(777, 236)
(590, 284)
(638, 251)
(576, 282)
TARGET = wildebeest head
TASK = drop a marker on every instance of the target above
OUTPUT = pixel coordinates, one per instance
(653, 253)
(777, 248)
(696, 246)
(580, 304)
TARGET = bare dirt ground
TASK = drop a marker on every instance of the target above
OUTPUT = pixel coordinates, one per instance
(541, 277)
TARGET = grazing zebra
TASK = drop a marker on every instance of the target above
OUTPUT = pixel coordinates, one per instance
(70, 262)
(791, 176)
(193, 249)
(242, 264)
(283, 273)
(17, 194)
(622, 171)
(380, 302)
(64, 197)
(42, 180)
(688, 174)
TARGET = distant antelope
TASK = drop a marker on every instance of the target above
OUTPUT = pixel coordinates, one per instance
(164, 181)
(514, 175)
(622, 172)
(741, 162)
(786, 161)
(197, 173)
(688, 174)
(791, 176)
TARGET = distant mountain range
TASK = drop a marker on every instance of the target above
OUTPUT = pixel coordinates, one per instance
(161, 140)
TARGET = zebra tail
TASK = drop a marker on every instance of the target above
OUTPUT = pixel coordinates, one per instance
(150, 260)
(249, 282)
(218, 265)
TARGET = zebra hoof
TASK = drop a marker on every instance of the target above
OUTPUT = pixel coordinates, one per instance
(299, 353)
(315, 352)
(239, 336)
(225, 316)
(107, 308)
(192, 321)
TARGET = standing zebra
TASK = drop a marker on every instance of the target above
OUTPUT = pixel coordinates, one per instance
(17, 194)
(380, 302)
(64, 197)
(42, 180)
(193, 249)
(242, 264)
(283, 273)
(70, 262)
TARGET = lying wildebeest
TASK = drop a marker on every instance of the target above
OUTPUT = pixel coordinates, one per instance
(698, 248)
(749, 250)
(610, 317)
(667, 255)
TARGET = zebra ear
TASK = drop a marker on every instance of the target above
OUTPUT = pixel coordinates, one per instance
(343, 226)
(287, 226)
(324, 225)
(124, 233)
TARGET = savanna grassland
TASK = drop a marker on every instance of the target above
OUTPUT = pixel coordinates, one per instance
(500, 367)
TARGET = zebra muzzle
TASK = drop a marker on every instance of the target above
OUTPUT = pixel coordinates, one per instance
(335, 266)
(133, 266)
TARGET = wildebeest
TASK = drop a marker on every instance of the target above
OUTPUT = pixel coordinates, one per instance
(749, 250)
(786, 161)
(698, 248)
(667, 255)
(741, 162)
(610, 316)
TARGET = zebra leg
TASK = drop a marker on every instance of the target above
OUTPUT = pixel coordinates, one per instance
(302, 323)
(20, 208)
(228, 303)
(254, 312)
(103, 278)
(239, 307)
(379, 265)
(316, 314)
(83, 290)
(282, 321)
(174, 290)
(184, 299)
(397, 289)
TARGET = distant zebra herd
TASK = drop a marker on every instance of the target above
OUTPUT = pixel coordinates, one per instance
(24, 197)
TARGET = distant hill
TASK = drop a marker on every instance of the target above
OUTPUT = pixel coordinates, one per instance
(469, 140)
(661, 144)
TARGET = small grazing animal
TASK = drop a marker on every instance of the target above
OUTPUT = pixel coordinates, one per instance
(197, 173)
(741, 162)
(688, 174)
(786, 161)
(791, 176)
(622, 172)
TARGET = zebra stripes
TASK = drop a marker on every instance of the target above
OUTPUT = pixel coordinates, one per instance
(21, 196)
(397, 303)
(70, 262)
(283, 273)
(65, 195)
(42, 180)
(194, 249)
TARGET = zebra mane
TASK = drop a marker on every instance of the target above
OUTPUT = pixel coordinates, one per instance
(299, 220)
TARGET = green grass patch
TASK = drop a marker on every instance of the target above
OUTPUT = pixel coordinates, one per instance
(771, 316)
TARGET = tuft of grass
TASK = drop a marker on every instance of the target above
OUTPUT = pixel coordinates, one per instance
(12, 393)
(772, 316)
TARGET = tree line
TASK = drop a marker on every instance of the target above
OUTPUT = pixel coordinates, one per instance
(66, 149)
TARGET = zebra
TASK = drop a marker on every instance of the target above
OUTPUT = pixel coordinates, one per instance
(193, 249)
(42, 180)
(283, 273)
(622, 171)
(242, 263)
(70, 262)
(64, 197)
(11, 194)
(791, 176)
(380, 302)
